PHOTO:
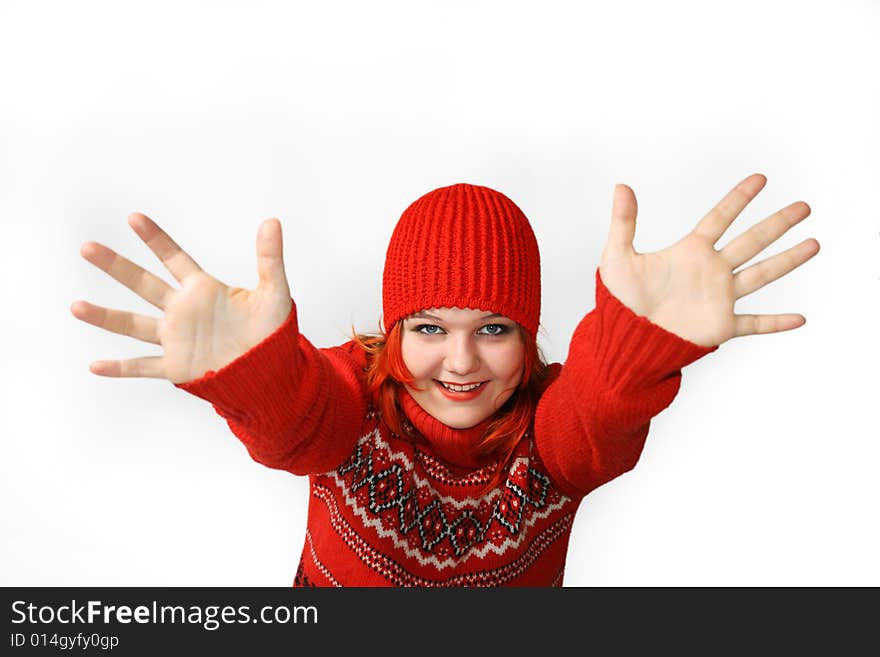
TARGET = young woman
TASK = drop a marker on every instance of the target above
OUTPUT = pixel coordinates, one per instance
(444, 451)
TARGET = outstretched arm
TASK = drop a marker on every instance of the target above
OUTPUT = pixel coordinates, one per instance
(294, 406)
(205, 324)
(655, 313)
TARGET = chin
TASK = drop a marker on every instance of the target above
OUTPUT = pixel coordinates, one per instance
(462, 421)
(462, 424)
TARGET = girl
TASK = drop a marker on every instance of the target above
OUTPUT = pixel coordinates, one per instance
(444, 451)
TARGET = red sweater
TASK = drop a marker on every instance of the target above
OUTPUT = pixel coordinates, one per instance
(384, 511)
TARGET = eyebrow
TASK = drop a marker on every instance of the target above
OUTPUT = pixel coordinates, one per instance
(428, 316)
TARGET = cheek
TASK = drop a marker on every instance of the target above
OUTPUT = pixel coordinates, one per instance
(510, 361)
(418, 360)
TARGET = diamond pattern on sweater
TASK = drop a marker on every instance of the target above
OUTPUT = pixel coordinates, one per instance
(392, 487)
(509, 509)
(397, 574)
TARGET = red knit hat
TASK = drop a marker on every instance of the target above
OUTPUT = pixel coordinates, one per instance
(466, 246)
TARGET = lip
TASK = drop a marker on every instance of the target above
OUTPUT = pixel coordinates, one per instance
(460, 396)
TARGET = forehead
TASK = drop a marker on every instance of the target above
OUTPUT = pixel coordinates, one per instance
(456, 314)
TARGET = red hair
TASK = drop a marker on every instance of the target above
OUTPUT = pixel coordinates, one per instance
(386, 373)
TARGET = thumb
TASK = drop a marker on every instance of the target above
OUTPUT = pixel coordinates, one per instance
(270, 256)
(623, 221)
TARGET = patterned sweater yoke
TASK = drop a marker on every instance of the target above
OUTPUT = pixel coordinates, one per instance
(385, 510)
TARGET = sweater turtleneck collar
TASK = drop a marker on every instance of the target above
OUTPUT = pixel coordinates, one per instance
(455, 446)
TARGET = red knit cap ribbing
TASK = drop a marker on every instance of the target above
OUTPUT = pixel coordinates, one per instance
(467, 246)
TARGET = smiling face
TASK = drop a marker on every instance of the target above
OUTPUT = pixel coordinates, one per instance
(461, 347)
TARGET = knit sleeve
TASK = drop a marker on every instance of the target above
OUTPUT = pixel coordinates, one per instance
(621, 370)
(294, 406)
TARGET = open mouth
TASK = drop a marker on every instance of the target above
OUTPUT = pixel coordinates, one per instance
(455, 393)
(461, 389)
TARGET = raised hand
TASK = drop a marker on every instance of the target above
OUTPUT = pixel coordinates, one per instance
(206, 324)
(690, 287)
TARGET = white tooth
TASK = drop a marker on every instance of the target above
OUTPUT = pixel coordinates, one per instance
(456, 388)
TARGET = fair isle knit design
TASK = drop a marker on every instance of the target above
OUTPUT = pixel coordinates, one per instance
(302, 580)
(440, 472)
(321, 567)
(397, 575)
(421, 522)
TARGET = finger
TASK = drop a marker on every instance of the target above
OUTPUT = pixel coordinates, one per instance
(147, 367)
(760, 324)
(719, 218)
(623, 222)
(270, 255)
(175, 259)
(137, 279)
(140, 327)
(758, 275)
(761, 235)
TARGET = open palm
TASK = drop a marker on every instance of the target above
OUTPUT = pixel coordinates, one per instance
(690, 288)
(206, 324)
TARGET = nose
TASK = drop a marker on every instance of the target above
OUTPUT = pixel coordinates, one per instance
(461, 355)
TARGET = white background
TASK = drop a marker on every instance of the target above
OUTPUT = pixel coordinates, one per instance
(333, 117)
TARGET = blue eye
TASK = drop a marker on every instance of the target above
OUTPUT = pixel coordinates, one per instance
(501, 329)
(419, 328)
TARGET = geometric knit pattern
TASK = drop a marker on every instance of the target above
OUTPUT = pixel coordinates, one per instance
(395, 501)
(431, 529)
